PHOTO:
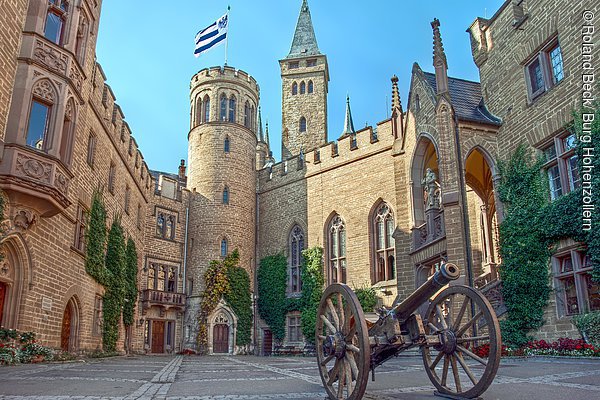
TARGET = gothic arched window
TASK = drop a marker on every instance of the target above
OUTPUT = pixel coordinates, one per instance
(294, 88)
(302, 87)
(247, 115)
(198, 111)
(302, 124)
(337, 250)
(383, 244)
(223, 247)
(232, 104)
(226, 144)
(226, 195)
(296, 245)
(206, 116)
(223, 111)
(40, 122)
(310, 86)
(160, 225)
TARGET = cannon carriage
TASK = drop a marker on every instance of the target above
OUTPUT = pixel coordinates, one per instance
(458, 337)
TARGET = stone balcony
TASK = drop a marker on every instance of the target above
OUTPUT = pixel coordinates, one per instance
(35, 180)
(164, 300)
(430, 231)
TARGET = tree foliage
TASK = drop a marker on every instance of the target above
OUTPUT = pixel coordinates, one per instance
(131, 288)
(95, 238)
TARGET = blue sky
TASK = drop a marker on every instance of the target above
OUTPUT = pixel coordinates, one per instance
(146, 51)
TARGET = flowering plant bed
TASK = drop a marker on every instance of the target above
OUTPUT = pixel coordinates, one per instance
(22, 347)
(561, 347)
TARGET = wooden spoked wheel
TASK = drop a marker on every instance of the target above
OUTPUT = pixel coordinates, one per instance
(343, 351)
(466, 360)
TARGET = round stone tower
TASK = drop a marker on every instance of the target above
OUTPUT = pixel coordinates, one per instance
(222, 176)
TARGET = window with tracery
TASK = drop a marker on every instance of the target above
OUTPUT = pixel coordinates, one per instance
(337, 250)
(296, 245)
(165, 225)
(383, 265)
(206, 105)
(162, 277)
(232, 105)
(223, 108)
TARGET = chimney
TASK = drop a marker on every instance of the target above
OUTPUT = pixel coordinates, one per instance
(182, 170)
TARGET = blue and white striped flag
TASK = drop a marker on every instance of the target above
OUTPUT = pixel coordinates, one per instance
(212, 36)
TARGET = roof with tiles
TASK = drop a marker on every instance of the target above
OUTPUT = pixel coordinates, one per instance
(466, 99)
(305, 41)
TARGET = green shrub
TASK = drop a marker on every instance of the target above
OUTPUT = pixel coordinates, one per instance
(272, 298)
(312, 290)
(367, 297)
(589, 326)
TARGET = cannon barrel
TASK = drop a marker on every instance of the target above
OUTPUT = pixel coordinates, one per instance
(447, 272)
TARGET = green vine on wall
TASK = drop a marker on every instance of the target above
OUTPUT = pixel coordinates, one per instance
(116, 285)
(532, 227)
(225, 279)
(131, 288)
(272, 298)
(312, 290)
(95, 238)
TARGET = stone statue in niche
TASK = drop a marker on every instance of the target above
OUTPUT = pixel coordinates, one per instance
(431, 190)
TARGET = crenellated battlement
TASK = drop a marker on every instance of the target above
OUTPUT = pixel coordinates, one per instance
(105, 103)
(228, 73)
(367, 141)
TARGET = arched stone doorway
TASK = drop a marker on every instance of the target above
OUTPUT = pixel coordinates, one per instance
(15, 278)
(483, 222)
(222, 329)
(70, 327)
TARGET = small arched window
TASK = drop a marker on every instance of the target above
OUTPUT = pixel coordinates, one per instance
(226, 195)
(223, 111)
(223, 247)
(247, 115)
(226, 144)
(198, 111)
(302, 87)
(232, 105)
(296, 245)
(294, 88)
(417, 103)
(206, 116)
(310, 86)
(384, 250)
(337, 250)
(302, 124)
(66, 140)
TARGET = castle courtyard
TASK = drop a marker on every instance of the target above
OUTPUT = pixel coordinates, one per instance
(290, 378)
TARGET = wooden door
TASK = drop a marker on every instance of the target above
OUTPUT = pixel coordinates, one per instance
(221, 338)
(2, 296)
(158, 336)
(267, 342)
(65, 335)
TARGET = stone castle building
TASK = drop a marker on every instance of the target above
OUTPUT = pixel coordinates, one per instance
(387, 202)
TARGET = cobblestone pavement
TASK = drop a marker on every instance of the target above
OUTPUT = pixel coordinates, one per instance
(289, 378)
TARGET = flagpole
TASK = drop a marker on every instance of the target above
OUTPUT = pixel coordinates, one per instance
(227, 37)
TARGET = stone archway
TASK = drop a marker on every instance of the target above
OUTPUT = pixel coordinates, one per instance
(69, 336)
(222, 330)
(15, 273)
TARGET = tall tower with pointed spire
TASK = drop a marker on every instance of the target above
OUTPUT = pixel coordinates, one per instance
(304, 83)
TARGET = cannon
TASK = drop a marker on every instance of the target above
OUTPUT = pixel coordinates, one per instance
(458, 336)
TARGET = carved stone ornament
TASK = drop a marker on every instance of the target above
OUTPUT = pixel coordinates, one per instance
(50, 57)
(75, 76)
(61, 183)
(33, 168)
(4, 265)
(24, 219)
(44, 90)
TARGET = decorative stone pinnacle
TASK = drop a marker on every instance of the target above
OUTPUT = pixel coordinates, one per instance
(348, 123)
(396, 103)
(439, 59)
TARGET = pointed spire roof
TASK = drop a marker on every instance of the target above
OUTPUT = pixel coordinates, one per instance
(261, 137)
(305, 41)
(348, 124)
